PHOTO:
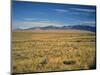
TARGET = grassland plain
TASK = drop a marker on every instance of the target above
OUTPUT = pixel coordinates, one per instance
(52, 50)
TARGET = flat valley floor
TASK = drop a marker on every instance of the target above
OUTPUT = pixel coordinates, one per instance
(53, 50)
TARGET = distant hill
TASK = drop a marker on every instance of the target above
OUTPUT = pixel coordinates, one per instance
(77, 27)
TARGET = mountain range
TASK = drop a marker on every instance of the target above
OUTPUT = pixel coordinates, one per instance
(77, 27)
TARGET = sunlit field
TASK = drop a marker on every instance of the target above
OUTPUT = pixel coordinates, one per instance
(52, 50)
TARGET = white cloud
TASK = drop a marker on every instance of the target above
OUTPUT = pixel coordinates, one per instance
(61, 10)
(84, 10)
(89, 23)
(37, 24)
(29, 19)
(92, 23)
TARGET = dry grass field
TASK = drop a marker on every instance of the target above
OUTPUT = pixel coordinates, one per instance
(56, 50)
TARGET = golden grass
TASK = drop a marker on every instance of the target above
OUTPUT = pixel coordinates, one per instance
(43, 51)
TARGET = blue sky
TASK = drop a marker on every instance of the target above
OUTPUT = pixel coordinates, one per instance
(35, 14)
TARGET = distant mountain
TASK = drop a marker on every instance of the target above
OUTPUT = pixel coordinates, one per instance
(77, 27)
(50, 27)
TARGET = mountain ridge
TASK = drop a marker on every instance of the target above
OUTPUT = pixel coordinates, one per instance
(77, 27)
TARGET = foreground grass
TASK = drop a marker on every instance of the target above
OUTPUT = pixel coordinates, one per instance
(52, 51)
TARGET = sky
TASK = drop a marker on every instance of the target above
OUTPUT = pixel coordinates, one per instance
(35, 14)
